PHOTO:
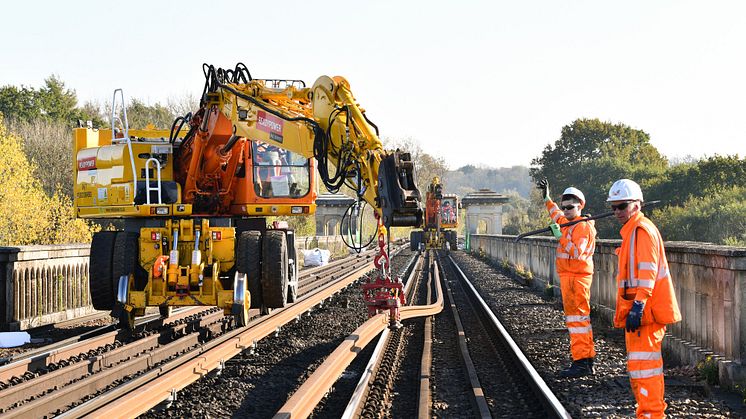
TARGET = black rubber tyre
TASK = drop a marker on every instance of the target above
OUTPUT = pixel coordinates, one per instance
(103, 290)
(126, 256)
(415, 237)
(274, 269)
(249, 261)
(453, 240)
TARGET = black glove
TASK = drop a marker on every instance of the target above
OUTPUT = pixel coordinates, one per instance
(635, 316)
(543, 186)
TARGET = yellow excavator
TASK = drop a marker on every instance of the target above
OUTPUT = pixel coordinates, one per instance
(192, 201)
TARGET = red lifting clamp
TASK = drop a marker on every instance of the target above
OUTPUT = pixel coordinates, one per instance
(380, 292)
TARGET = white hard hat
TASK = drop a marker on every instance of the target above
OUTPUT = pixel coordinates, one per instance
(575, 192)
(625, 190)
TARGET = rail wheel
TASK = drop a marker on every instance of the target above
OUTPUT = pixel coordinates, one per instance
(241, 301)
(249, 261)
(126, 318)
(292, 267)
(274, 269)
(100, 278)
(292, 282)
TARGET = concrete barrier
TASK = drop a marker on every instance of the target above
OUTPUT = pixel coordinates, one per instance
(710, 283)
(48, 284)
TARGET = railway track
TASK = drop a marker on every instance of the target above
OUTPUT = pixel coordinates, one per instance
(106, 363)
(513, 388)
(519, 390)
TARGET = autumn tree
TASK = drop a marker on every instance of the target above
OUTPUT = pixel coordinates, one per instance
(27, 214)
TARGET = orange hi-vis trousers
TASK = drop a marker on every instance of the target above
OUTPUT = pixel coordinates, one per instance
(645, 367)
(576, 297)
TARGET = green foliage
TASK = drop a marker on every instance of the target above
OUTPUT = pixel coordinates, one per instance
(53, 102)
(719, 217)
(698, 179)
(140, 115)
(521, 215)
(708, 370)
(19, 103)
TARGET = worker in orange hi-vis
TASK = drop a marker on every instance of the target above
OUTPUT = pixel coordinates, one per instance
(646, 301)
(575, 268)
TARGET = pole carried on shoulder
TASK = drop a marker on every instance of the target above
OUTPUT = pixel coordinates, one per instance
(579, 220)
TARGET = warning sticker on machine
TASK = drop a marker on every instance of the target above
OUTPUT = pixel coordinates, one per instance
(87, 163)
(270, 124)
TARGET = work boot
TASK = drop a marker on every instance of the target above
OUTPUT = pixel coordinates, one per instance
(579, 368)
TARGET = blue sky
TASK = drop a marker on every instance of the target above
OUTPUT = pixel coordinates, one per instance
(475, 82)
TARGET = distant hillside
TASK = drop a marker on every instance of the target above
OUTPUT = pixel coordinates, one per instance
(502, 180)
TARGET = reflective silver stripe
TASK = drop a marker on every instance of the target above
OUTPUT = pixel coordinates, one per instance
(576, 330)
(585, 257)
(647, 283)
(568, 247)
(646, 373)
(663, 272)
(624, 284)
(631, 267)
(577, 318)
(643, 356)
(582, 246)
(647, 266)
(563, 256)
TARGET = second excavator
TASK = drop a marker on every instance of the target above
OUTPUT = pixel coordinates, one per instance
(440, 221)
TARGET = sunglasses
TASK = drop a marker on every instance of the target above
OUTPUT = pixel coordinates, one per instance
(569, 207)
(621, 207)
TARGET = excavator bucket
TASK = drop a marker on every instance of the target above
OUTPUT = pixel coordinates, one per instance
(398, 195)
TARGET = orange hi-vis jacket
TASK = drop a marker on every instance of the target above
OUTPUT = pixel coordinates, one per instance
(644, 275)
(576, 245)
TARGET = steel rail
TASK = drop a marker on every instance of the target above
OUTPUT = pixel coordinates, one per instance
(140, 394)
(355, 405)
(76, 346)
(31, 361)
(305, 399)
(542, 391)
(424, 405)
(55, 391)
(477, 393)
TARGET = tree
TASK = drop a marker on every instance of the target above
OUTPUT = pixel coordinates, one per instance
(521, 215)
(22, 202)
(55, 101)
(589, 140)
(140, 115)
(591, 155)
(48, 144)
(719, 217)
(27, 214)
(18, 103)
(426, 165)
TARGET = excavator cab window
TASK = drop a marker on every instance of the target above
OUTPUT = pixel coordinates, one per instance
(279, 173)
